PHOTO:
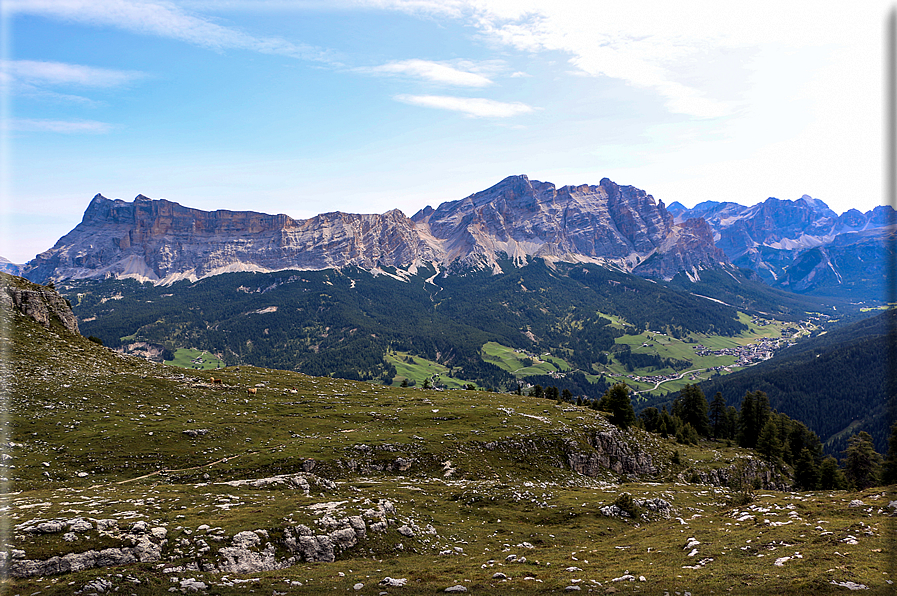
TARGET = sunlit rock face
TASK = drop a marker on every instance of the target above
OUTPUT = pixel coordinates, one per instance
(517, 219)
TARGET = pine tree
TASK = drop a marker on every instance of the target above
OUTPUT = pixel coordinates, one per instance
(830, 475)
(691, 408)
(754, 413)
(889, 468)
(616, 401)
(650, 418)
(768, 443)
(687, 434)
(717, 415)
(861, 463)
(806, 472)
(667, 426)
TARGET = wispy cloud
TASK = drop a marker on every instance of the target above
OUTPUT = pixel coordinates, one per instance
(672, 49)
(60, 126)
(472, 106)
(434, 72)
(163, 19)
(60, 73)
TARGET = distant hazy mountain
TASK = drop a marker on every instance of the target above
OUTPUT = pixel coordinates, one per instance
(803, 246)
(161, 241)
(8, 266)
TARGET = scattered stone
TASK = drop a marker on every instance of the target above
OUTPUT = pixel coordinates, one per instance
(393, 582)
(195, 432)
(139, 527)
(624, 578)
(572, 589)
(102, 585)
(456, 588)
(850, 585)
(50, 527)
(358, 586)
(80, 525)
(192, 585)
(499, 575)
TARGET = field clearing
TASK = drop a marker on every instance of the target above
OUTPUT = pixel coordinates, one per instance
(187, 358)
(421, 369)
(510, 360)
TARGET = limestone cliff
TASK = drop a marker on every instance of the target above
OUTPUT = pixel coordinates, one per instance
(42, 304)
(518, 218)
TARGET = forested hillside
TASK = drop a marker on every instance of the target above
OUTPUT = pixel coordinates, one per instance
(836, 383)
(344, 322)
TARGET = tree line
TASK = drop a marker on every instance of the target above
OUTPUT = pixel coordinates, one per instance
(777, 438)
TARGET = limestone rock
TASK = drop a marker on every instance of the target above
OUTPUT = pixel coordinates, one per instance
(162, 241)
(44, 305)
(242, 560)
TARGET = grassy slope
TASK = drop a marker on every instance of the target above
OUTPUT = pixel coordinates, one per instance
(83, 408)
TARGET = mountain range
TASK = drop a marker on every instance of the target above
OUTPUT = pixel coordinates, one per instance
(800, 246)
(803, 246)
(161, 241)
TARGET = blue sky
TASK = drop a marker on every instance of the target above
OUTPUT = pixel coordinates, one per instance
(302, 107)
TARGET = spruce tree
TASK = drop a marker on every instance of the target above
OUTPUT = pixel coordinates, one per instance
(806, 471)
(768, 443)
(889, 468)
(861, 463)
(717, 415)
(830, 475)
(650, 418)
(691, 408)
(754, 413)
(616, 401)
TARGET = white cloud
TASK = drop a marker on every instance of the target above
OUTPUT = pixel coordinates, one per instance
(161, 18)
(60, 73)
(472, 106)
(435, 72)
(680, 51)
(60, 126)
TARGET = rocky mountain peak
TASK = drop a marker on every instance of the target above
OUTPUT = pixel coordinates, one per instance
(518, 218)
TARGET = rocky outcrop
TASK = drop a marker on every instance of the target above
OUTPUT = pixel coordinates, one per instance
(247, 552)
(42, 304)
(747, 472)
(610, 451)
(145, 546)
(518, 218)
